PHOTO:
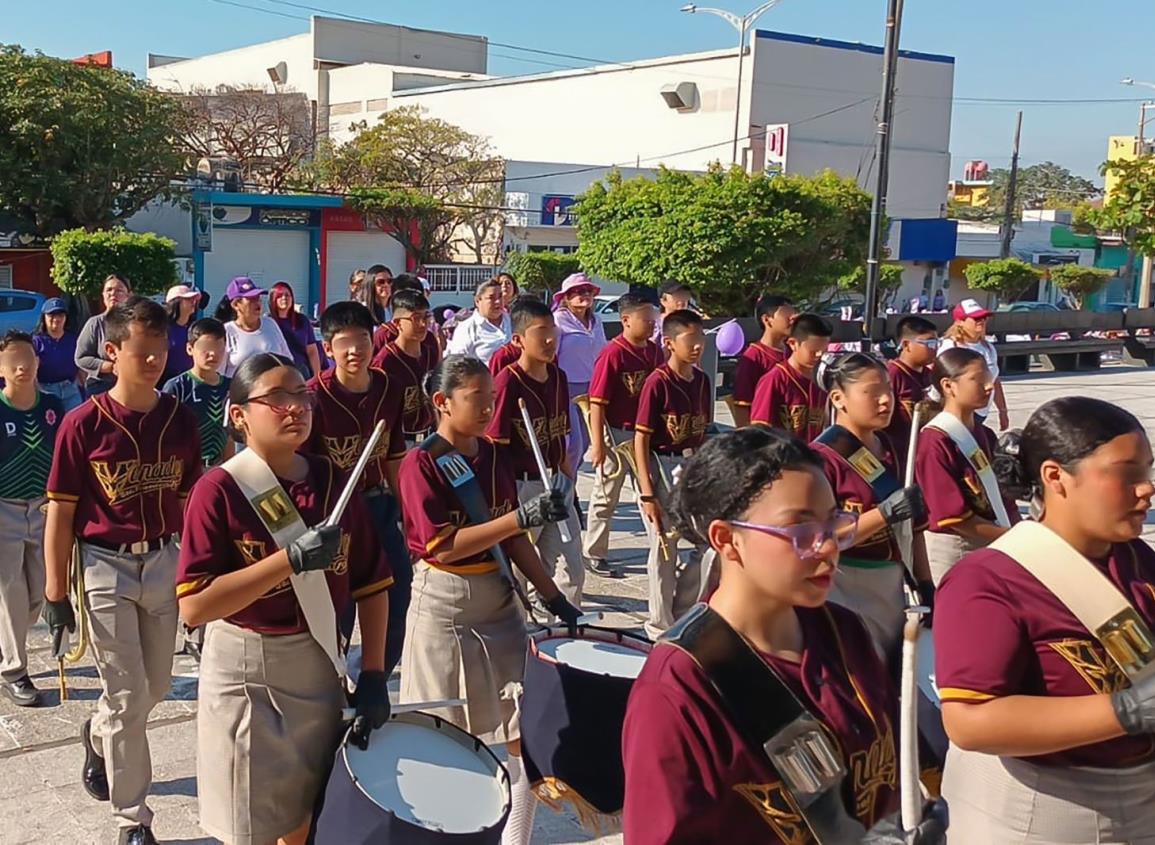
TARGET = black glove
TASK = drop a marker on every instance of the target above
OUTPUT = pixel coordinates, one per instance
(550, 506)
(59, 615)
(926, 599)
(560, 607)
(902, 505)
(372, 707)
(314, 549)
(1135, 706)
(932, 829)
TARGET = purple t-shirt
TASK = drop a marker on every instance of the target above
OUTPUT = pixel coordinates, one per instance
(299, 335)
(179, 360)
(57, 357)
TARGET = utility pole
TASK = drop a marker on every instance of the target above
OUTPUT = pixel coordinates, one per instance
(1145, 271)
(878, 204)
(1008, 230)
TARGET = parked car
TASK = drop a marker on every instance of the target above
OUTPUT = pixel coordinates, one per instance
(1020, 307)
(20, 309)
(606, 307)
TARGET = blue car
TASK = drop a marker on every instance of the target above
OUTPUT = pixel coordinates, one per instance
(19, 309)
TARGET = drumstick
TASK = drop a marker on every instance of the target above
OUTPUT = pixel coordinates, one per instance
(349, 713)
(546, 477)
(355, 477)
(59, 649)
(909, 787)
(910, 449)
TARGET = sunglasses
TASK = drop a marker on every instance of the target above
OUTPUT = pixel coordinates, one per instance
(810, 538)
(928, 342)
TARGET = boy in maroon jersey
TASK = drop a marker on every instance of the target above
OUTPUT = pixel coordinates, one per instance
(619, 373)
(535, 379)
(775, 313)
(389, 330)
(408, 358)
(674, 409)
(503, 357)
(787, 397)
(124, 464)
(352, 397)
(910, 376)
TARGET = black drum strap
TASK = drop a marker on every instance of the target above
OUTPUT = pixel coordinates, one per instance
(774, 723)
(457, 470)
(873, 471)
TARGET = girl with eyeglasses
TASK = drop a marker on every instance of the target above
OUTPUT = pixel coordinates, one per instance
(269, 712)
(762, 501)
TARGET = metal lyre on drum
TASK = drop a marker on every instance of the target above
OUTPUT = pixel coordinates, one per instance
(422, 781)
(572, 712)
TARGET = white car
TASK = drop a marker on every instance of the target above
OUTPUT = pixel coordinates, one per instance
(606, 307)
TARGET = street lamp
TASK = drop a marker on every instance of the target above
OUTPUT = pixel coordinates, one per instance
(743, 24)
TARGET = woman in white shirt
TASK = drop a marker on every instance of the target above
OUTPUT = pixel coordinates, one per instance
(487, 329)
(969, 331)
(247, 331)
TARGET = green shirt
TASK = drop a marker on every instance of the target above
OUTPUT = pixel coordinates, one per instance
(27, 440)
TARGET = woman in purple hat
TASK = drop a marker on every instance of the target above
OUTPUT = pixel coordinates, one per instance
(56, 348)
(247, 331)
(182, 303)
(580, 339)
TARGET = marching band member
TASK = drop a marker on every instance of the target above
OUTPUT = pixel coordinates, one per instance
(696, 772)
(953, 465)
(910, 377)
(863, 469)
(409, 357)
(775, 313)
(1051, 718)
(466, 634)
(123, 465)
(787, 397)
(619, 373)
(674, 409)
(389, 331)
(269, 712)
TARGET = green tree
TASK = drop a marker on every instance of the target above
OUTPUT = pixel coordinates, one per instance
(1045, 185)
(81, 260)
(81, 146)
(542, 272)
(1080, 282)
(1131, 208)
(1007, 278)
(728, 234)
(889, 282)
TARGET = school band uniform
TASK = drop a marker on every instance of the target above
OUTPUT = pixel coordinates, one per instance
(269, 711)
(788, 400)
(548, 406)
(675, 413)
(128, 473)
(465, 632)
(27, 438)
(909, 388)
(387, 333)
(954, 493)
(409, 373)
(1000, 632)
(691, 776)
(756, 360)
(503, 357)
(616, 384)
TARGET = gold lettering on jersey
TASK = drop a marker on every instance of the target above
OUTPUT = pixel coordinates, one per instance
(866, 465)
(682, 427)
(340, 563)
(253, 551)
(346, 450)
(633, 382)
(1089, 659)
(794, 418)
(853, 506)
(414, 398)
(872, 770)
(133, 478)
(545, 429)
(276, 509)
(777, 808)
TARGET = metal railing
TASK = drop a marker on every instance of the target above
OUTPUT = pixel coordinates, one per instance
(457, 278)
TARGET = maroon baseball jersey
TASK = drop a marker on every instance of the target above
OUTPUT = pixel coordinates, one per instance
(909, 388)
(503, 357)
(692, 778)
(128, 472)
(754, 362)
(998, 631)
(223, 534)
(673, 411)
(548, 406)
(950, 484)
(438, 512)
(409, 374)
(387, 333)
(786, 399)
(619, 373)
(343, 421)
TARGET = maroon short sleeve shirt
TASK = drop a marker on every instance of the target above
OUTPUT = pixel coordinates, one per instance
(673, 411)
(788, 400)
(619, 373)
(548, 405)
(754, 362)
(951, 486)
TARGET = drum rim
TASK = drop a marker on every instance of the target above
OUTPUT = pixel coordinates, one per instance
(463, 738)
(599, 633)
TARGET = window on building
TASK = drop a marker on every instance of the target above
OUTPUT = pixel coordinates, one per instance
(6, 276)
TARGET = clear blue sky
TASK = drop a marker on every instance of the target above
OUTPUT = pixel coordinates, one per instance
(1008, 49)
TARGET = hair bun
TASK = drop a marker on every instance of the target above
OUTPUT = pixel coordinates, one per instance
(1009, 467)
(825, 372)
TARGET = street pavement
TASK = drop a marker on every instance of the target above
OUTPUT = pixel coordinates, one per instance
(42, 800)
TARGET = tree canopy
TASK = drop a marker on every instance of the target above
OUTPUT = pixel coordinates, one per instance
(80, 145)
(1045, 185)
(1131, 209)
(1007, 278)
(541, 271)
(81, 260)
(728, 234)
(1079, 282)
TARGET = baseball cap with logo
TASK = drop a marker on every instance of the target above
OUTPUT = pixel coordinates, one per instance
(54, 306)
(242, 287)
(970, 308)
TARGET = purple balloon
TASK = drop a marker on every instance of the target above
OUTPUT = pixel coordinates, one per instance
(731, 340)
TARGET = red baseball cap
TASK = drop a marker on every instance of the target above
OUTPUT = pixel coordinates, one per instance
(970, 308)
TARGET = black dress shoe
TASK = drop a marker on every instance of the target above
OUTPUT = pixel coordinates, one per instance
(22, 692)
(139, 835)
(93, 776)
(599, 566)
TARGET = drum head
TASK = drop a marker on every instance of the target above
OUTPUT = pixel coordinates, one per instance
(596, 651)
(430, 774)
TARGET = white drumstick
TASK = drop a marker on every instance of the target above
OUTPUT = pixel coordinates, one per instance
(546, 477)
(348, 713)
(910, 449)
(908, 775)
(355, 476)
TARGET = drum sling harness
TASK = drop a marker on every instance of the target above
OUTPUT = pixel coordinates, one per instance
(1094, 600)
(774, 722)
(953, 427)
(456, 469)
(279, 515)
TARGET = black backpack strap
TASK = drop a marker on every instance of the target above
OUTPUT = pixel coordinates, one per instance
(869, 468)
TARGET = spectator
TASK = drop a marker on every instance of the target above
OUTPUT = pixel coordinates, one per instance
(487, 329)
(672, 296)
(99, 371)
(969, 331)
(357, 286)
(296, 329)
(56, 349)
(182, 303)
(580, 338)
(509, 289)
(247, 333)
(379, 295)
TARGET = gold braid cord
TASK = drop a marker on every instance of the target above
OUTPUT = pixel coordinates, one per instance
(558, 796)
(76, 588)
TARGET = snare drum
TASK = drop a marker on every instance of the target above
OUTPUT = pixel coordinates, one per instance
(422, 781)
(572, 711)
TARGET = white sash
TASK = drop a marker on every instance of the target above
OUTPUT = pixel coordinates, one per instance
(280, 517)
(1084, 590)
(953, 427)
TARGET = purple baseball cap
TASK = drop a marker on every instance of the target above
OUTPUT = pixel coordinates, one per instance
(242, 287)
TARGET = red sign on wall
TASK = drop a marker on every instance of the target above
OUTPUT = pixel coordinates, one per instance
(342, 220)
